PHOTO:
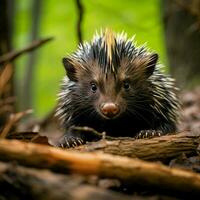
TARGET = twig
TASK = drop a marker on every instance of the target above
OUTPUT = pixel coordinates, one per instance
(7, 101)
(14, 54)
(12, 120)
(5, 76)
(6, 109)
(80, 19)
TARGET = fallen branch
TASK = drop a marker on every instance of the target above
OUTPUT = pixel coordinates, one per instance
(162, 148)
(132, 171)
(14, 54)
(43, 184)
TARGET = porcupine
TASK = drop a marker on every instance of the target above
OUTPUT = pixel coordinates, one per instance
(116, 87)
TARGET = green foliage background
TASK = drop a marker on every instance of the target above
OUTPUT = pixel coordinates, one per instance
(140, 18)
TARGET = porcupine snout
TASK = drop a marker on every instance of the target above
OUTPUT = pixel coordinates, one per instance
(109, 109)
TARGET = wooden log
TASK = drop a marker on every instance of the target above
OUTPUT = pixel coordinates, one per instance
(17, 182)
(162, 148)
(132, 171)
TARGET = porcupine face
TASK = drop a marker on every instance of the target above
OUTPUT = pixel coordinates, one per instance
(109, 75)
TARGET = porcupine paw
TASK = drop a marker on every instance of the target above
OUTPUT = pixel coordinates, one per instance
(68, 141)
(148, 134)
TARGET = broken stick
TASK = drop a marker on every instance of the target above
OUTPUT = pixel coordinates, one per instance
(14, 54)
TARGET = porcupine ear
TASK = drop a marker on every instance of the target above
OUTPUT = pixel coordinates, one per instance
(70, 69)
(151, 64)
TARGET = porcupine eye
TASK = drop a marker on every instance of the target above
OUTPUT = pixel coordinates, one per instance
(126, 85)
(93, 87)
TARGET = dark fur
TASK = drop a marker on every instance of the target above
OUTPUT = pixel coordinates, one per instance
(109, 60)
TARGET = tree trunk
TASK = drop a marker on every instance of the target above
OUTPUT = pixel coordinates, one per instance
(182, 36)
(30, 69)
(6, 28)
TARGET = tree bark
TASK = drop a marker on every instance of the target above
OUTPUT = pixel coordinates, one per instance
(182, 36)
(134, 172)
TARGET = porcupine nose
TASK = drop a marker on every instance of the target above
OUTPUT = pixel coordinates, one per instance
(109, 110)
